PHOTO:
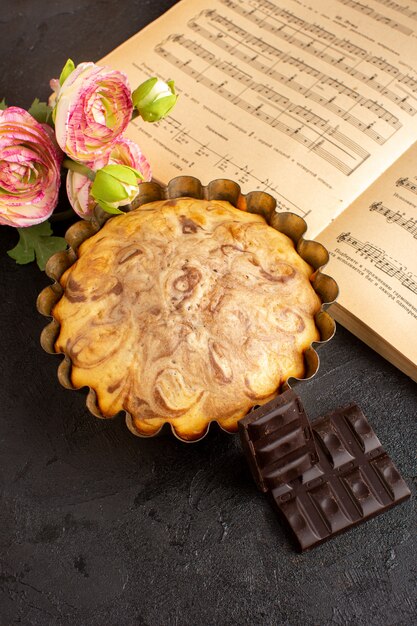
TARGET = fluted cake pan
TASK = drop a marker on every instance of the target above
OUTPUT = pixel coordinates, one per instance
(258, 202)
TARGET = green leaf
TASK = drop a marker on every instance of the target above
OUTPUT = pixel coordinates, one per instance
(68, 68)
(3, 104)
(41, 111)
(36, 241)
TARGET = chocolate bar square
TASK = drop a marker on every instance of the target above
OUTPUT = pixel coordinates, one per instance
(278, 441)
(354, 480)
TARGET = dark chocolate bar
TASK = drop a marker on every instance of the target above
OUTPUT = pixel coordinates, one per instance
(325, 480)
(278, 441)
(353, 481)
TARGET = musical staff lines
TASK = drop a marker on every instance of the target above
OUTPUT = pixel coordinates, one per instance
(367, 10)
(327, 47)
(313, 132)
(381, 123)
(395, 217)
(266, 72)
(407, 184)
(381, 260)
(227, 165)
(404, 10)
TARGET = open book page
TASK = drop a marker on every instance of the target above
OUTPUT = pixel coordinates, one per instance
(308, 100)
(373, 248)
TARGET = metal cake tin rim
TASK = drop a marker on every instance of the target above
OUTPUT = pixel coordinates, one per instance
(259, 202)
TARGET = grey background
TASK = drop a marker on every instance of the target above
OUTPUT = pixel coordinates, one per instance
(99, 527)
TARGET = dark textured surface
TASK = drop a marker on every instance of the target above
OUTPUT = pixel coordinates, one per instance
(99, 527)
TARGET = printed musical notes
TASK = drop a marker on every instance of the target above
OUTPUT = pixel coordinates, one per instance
(407, 184)
(403, 10)
(301, 124)
(372, 119)
(299, 98)
(395, 217)
(229, 166)
(363, 8)
(381, 260)
(327, 47)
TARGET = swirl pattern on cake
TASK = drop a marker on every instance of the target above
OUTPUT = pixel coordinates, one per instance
(186, 311)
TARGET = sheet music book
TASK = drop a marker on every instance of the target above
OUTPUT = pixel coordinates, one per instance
(314, 102)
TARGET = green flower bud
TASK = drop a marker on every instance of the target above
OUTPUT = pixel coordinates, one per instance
(68, 68)
(154, 99)
(115, 186)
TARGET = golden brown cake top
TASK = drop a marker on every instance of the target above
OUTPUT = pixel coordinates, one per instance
(186, 311)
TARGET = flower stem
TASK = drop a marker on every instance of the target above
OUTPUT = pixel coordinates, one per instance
(135, 114)
(79, 168)
(60, 216)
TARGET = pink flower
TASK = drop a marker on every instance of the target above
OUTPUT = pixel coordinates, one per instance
(93, 108)
(124, 152)
(30, 163)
